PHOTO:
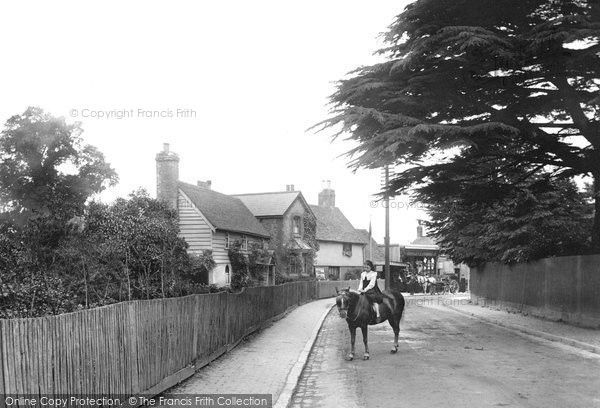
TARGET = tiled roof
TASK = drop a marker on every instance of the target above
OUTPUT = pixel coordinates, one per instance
(224, 212)
(332, 225)
(268, 204)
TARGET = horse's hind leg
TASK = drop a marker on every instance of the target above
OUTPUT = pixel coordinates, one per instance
(352, 340)
(365, 341)
(396, 327)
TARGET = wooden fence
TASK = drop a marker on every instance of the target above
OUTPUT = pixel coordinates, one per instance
(561, 288)
(136, 347)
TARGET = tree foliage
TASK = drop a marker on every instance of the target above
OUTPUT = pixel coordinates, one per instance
(58, 251)
(472, 90)
(126, 250)
(46, 170)
(519, 225)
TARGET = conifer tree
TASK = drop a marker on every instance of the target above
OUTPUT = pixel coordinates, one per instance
(511, 83)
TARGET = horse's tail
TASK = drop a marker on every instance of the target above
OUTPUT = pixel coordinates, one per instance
(398, 303)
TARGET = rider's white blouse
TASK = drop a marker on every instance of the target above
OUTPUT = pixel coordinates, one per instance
(372, 276)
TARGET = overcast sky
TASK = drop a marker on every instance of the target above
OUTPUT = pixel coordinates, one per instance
(251, 77)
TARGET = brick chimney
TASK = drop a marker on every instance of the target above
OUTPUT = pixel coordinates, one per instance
(205, 184)
(327, 195)
(289, 187)
(167, 176)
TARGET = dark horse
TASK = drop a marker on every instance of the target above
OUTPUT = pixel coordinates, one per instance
(358, 312)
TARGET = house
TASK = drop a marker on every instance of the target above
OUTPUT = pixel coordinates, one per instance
(208, 220)
(285, 215)
(341, 246)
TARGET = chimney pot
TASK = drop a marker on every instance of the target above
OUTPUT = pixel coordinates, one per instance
(166, 147)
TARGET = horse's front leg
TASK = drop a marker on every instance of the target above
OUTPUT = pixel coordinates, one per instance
(352, 329)
(365, 341)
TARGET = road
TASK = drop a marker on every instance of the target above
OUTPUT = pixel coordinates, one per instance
(445, 359)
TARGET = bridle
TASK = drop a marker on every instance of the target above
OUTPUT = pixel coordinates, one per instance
(343, 308)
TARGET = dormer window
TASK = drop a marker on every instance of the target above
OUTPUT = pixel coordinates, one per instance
(296, 228)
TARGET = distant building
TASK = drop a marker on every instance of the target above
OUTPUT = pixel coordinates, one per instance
(341, 246)
(282, 215)
(208, 220)
(422, 253)
(425, 256)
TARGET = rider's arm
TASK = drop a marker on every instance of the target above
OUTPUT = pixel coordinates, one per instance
(360, 281)
(372, 282)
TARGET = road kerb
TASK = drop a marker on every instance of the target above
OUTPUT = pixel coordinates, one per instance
(291, 382)
(536, 333)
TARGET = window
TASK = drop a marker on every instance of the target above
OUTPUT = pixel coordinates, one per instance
(227, 273)
(244, 242)
(347, 250)
(296, 227)
(227, 240)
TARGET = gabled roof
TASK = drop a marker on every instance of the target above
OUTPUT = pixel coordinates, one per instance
(332, 225)
(270, 204)
(224, 212)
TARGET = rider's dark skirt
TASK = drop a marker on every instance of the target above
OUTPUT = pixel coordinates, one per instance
(374, 295)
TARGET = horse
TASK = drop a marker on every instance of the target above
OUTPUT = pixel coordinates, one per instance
(425, 281)
(358, 312)
(430, 282)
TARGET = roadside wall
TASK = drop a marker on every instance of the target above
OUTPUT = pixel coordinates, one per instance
(561, 288)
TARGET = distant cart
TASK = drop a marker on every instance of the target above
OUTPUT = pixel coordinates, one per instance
(447, 284)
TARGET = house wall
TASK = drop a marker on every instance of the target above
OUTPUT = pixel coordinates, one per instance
(295, 210)
(280, 229)
(219, 275)
(193, 227)
(330, 254)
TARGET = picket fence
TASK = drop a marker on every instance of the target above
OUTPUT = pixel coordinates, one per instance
(137, 347)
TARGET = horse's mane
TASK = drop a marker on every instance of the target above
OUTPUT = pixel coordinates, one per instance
(358, 305)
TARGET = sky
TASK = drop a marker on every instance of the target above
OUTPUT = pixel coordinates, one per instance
(232, 86)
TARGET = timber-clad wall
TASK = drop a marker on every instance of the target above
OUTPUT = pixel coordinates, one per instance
(562, 288)
(136, 347)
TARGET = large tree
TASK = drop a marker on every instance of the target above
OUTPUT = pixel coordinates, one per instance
(45, 168)
(503, 84)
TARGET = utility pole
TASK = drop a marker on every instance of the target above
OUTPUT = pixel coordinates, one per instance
(387, 229)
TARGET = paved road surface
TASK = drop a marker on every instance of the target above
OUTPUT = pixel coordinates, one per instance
(445, 360)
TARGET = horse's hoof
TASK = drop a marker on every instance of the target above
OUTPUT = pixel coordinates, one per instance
(350, 357)
(394, 350)
(366, 357)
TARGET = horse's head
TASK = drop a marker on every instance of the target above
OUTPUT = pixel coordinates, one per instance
(345, 301)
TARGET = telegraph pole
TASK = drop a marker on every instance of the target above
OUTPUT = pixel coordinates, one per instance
(387, 228)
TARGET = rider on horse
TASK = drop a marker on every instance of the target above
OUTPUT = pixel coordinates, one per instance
(367, 285)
